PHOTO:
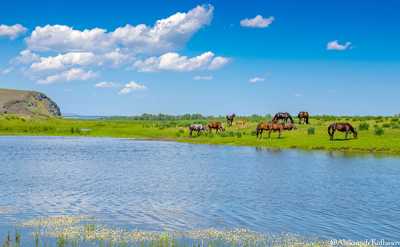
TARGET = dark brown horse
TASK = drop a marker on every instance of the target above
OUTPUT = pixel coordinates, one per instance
(285, 116)
(270, 127)
(342, 127)
(303, 117)
(215, 125)
(230, 118)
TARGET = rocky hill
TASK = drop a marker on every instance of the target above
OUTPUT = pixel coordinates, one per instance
(28, 103)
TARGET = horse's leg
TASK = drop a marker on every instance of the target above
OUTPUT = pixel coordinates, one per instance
(333, 133)
(347, 133)
(269, 134)
(279, 135)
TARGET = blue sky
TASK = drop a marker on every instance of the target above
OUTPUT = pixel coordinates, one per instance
(213, 57)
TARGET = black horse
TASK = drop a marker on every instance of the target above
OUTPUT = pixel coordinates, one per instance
(342, 127)
(230, 118)
(285, 116)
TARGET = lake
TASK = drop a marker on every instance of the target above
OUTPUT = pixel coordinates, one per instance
(168, 186)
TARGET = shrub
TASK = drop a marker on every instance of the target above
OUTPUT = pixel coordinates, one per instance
(396, 126)
(181, 131)
(239, 134)
(363, 126)
(379, 131)
(178, 134)
(386, 125)
(253, 133)
(231, 133)
(311, 131)
(224, 134)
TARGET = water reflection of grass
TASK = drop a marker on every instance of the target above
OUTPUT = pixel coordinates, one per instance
(84, 231)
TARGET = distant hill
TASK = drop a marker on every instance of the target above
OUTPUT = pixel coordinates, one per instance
(28, 103)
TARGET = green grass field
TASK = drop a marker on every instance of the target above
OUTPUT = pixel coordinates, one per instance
(375, 134)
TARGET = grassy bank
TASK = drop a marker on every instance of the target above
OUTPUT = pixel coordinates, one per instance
(376, 134)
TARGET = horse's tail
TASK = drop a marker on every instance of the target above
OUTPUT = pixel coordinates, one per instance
(330, 129)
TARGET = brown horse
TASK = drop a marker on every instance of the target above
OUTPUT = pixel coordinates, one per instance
(342, 127)
(270, 127)
(215, 125)
(285, 116)
(230, 118)
(289, 126)
(303, 117)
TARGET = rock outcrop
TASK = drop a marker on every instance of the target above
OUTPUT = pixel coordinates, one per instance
(28, 103)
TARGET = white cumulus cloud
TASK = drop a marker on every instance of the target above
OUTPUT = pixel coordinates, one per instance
(256, 79)
(336, 46)
(167, 34)
(257, 22)
(132, 86)
(26, 57)
(172, 61)
(63, 61)
(12, 32)
(73, 74)
(106, 84)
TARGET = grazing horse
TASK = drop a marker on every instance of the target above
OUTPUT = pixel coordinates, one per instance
(241, 124)
(230, 118)
(270, 127)
(261, 127)
(289, 126)
(303, 117)
(216, 125)
(196, 127)
(342, 127)
(285, 116)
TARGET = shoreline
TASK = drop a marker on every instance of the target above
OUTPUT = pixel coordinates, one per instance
(342, 151)
(312, 137)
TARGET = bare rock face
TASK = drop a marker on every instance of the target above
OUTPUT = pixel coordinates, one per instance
(27, 103)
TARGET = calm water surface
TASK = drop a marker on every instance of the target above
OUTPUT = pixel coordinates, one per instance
(151, 185)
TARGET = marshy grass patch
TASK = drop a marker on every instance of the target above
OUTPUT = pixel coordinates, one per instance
(86, 231)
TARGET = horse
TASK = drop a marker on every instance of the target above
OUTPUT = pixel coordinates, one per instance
(289, 126)
(260, 128)
(196, 127)
(215, 125)
(230, 118)
(241, 124)
(342, 127)
(270, 127)
(303, 117)
(285, 116)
